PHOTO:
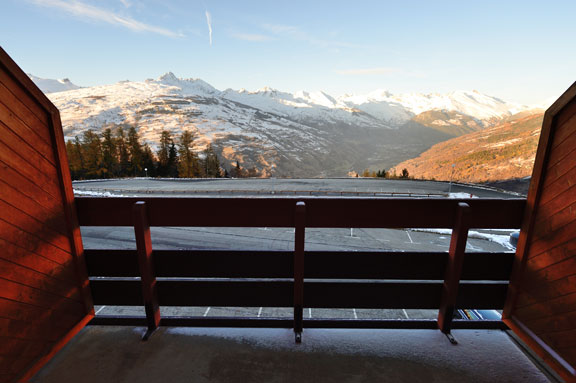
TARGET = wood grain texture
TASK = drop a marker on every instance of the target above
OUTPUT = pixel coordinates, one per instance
(565, 119)
(560, 185)
(20, 164)
(32, 243)
(47, 230)
(26, 148)
(561, 322)
(27, 133)
(542, 296)
(42, 289)
(33, 104)
(37, 262)
(28, 187)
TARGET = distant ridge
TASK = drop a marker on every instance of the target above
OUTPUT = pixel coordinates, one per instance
(301, 134)
(52, 86)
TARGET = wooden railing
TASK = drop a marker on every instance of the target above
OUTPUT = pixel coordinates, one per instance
(439, 280)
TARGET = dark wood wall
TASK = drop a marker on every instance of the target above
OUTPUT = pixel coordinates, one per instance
(43, 294)
(542, 305)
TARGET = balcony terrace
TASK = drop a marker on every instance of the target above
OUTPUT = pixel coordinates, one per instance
(49, 284)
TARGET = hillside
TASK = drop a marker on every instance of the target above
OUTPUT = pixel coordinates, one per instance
(501, 152)
(301, 134)
(53, 86)
(452, 123)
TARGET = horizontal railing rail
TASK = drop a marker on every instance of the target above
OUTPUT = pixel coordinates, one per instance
(279, 264)
(360, 295)
(300, 278)
(320, 212)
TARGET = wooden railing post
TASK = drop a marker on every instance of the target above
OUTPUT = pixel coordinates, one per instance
(299, 238)
(453, 270)
(146, 265)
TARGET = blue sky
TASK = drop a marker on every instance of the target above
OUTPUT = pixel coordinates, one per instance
(521, 51)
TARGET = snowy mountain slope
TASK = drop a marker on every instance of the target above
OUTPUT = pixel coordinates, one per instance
(473, 104)
(312, 108)
(51, 86)
(279, 133)
(240, 133)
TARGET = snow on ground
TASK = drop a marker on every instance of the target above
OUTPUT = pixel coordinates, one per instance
(461, 195)
(502, 240)
(95, 193)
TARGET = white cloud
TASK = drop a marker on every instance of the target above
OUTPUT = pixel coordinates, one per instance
(209, 21)
(127, 3)
(90, 12)
(296, 33)
(251, 37)
(368, 71)
(283, 29)
(378, 71)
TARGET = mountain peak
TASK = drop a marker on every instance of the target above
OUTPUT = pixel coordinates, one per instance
(266, 89)
(52, 86)
(168, 77)
(380, 94)
(188, 85)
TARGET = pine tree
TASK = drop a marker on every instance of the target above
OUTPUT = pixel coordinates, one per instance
(110, 163)
(75, 162)
(172, 161)
(164, 153)
(135, 150)
(188, 164)
(211, 163)
(405, 173)
(148, 161)
(92, 154)
(123, 155)
(236, 171)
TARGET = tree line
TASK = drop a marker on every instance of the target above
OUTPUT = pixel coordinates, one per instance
(386, 174)
(120, 153)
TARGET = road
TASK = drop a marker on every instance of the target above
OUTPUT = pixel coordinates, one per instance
(290, 187)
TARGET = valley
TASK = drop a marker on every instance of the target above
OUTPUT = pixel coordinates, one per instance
(277, 133)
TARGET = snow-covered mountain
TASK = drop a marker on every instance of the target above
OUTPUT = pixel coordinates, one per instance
(51, 86)
(474, 104)
(280, 133)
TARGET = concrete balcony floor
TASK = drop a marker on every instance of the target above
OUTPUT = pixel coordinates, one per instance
(176, 354)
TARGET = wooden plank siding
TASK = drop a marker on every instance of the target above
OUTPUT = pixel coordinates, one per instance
(541, 305)
(44, 297)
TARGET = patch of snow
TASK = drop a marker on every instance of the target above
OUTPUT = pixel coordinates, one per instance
(502, 240)
(461, 195)
(95, 193)
(52, 86)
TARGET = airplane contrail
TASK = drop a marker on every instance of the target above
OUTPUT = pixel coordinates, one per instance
(209, 21)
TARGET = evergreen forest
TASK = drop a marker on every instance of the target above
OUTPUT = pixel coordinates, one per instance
(119, 153)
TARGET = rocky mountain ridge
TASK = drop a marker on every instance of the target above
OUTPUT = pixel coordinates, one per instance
(305, 134)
